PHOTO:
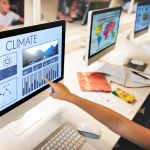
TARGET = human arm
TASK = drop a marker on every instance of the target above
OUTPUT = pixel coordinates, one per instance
(114, 121)
(1, 26)
(21, 19)
(16, 17)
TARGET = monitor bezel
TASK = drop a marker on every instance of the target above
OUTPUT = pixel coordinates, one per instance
(30, 29)
(110, 47)
(89, 8)
(142, 31)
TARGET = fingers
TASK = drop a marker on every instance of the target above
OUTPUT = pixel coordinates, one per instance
(52, 95)
(51, 83)
(52, 90)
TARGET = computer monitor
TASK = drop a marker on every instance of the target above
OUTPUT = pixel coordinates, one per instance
(142, 19)
(27, 55)
(103, 28)
(94, 5)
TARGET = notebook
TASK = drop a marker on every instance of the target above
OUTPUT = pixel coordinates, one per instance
(93, 81)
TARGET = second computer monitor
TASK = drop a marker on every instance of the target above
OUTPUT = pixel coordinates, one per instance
(142, 19)
(103, 28)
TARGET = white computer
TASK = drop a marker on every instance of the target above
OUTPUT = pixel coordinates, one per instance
(26, 56)
(141, 26)
(103, 28)
(142, 19)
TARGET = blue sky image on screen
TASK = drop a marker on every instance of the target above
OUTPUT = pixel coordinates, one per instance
(24, 61)
(142, 17)
(104, 30)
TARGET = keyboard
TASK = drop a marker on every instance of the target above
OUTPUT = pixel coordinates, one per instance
(66, 137)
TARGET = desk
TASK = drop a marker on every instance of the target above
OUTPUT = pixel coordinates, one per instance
(125, 49)
(11, 27)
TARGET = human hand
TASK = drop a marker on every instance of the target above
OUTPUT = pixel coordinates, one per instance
(1, 26)
(59, 91)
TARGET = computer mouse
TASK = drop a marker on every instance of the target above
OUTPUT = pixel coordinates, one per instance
(90, 130)
(137, 62)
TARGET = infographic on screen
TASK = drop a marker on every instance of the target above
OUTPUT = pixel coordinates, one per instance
(24, 61)
(142, 17)
(104, 30)
(8, 92)
(8, 66)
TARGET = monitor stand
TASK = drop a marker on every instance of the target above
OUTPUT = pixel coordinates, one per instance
(130, 35)
(41, 113)
(25, 122)
(146, 45)
(84, 57)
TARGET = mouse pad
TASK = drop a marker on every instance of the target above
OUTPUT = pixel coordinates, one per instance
(137, 67)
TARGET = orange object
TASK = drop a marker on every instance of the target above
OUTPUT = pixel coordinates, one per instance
(93, 81)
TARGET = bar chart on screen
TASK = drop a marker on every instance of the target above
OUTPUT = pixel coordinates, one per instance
(34, 81)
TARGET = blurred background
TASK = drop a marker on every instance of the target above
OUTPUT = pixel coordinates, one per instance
(36, 11)
(19, 13)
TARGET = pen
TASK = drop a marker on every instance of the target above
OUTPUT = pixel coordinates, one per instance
(140, 75)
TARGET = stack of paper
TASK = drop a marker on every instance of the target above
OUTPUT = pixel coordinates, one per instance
(114, 73)
(139, 79)
(124, 76)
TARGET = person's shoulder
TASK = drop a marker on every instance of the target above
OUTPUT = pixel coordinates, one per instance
(11, 13)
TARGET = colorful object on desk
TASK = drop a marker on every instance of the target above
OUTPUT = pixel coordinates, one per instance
(93, 81)
(127, 97)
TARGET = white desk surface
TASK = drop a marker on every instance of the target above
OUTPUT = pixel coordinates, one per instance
(124, 50)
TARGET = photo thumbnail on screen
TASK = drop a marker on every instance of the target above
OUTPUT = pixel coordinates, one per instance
(39, 53)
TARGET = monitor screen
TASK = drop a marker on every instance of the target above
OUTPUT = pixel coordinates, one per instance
(26, 56)
(104, 30)
(142, 17)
